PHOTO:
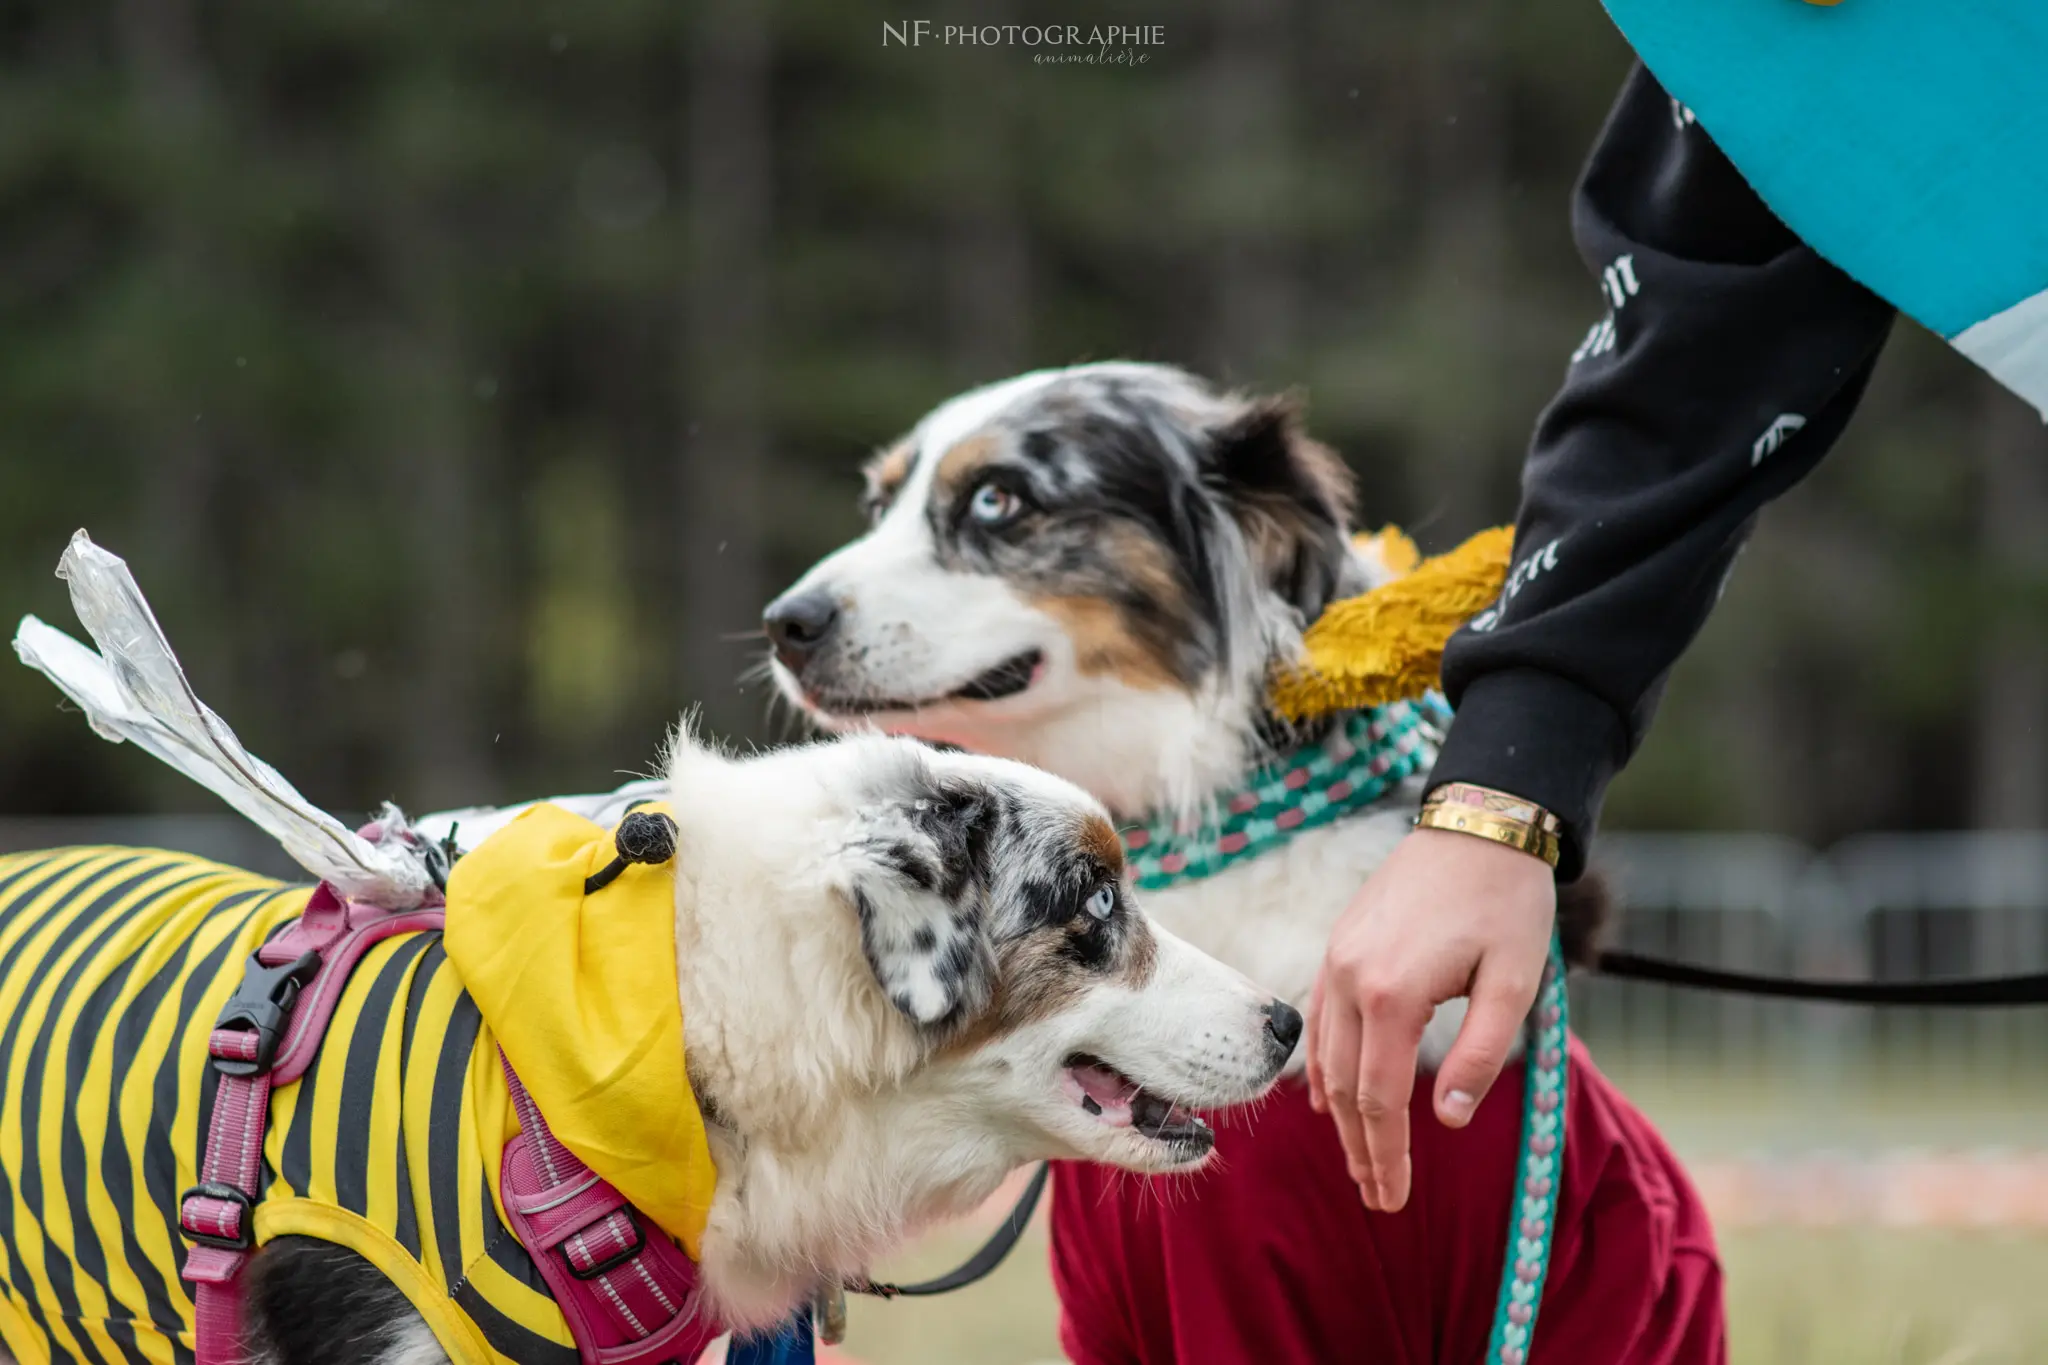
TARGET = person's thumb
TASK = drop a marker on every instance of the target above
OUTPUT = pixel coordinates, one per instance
(1499, 1004)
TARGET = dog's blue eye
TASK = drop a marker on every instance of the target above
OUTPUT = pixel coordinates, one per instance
(1103, 903)
(993, 504)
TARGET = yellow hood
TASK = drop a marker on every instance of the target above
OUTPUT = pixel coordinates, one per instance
(580, 991)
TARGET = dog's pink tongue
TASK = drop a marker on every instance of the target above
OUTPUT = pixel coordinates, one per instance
(1111, 1093)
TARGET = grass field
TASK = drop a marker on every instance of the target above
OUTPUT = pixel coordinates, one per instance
(1886, 1297)
(1867, 1297)
(1796, 1296)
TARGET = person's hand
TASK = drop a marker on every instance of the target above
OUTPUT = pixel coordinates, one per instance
(1445, 915)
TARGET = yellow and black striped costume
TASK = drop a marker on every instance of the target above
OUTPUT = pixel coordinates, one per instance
(114, 964)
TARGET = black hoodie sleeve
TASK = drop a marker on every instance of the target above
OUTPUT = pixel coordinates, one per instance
(1729, 360)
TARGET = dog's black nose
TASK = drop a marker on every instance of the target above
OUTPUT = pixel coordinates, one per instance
(797, 623)
(1283, 1021)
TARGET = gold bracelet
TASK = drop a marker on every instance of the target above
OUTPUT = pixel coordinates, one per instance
(1512, 833)
(1529, 835)
(1495, 802)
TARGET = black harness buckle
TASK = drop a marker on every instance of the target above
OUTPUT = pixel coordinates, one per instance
(261, 1004)
(246, 1224)
(614, 1261)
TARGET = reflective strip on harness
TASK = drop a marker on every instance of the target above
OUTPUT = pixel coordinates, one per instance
(218, 1214)
(630, 1298)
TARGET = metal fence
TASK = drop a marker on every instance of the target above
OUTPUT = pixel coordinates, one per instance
(1889, 907)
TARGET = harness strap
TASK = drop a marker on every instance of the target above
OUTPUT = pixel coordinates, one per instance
(286, 997)
(630, 1295)
(629, 1298)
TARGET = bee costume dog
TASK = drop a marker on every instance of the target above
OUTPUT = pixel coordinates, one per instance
(117, 963)
(186, 1081)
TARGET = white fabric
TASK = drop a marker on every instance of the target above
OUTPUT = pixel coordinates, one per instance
(2013, 347)
(134, 689)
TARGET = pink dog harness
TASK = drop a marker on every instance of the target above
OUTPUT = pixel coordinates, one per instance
(629, 1298)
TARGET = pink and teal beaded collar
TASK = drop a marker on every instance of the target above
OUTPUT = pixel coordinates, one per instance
(1359, 762)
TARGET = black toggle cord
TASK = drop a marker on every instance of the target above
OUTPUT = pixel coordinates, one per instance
(644, 836)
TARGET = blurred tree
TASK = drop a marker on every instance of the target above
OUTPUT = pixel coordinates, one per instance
(987, 252)
(726, 449)
(459, 379)
(2011, 748)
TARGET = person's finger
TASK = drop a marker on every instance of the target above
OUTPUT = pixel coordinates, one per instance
(1386, 1078)
(1311, 1054)
(1500, 1002)
(1340, 1077)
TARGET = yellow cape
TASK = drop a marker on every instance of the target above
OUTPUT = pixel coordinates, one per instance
(1388, 644)
(580, 991)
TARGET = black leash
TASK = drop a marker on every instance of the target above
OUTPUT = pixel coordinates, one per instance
(977, 1266)
(1985, 991)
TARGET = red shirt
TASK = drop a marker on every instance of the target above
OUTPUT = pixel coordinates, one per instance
(1268, 1255)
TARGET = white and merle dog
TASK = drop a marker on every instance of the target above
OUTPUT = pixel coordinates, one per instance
(906, 973)
(1095, 570)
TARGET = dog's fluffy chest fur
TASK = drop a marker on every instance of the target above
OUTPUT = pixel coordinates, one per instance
(1270, 917)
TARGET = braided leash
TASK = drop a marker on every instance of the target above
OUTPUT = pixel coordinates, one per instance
(1539, 1169)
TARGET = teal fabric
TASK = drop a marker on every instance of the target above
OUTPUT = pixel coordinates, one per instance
(1905, 140)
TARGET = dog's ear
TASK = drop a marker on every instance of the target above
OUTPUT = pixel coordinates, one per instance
(1290, 495)
(917, 875)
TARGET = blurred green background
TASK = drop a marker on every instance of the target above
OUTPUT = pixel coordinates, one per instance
(1796, 1296)
(459, 380)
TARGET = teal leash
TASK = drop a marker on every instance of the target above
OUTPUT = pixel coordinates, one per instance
(1539, 1169)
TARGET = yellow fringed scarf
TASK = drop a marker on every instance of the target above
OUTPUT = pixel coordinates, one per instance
(1388, 644)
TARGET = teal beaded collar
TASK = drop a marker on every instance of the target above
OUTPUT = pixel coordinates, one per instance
(1373, 752)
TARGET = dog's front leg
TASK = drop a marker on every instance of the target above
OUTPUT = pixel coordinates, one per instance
(314, 1303)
